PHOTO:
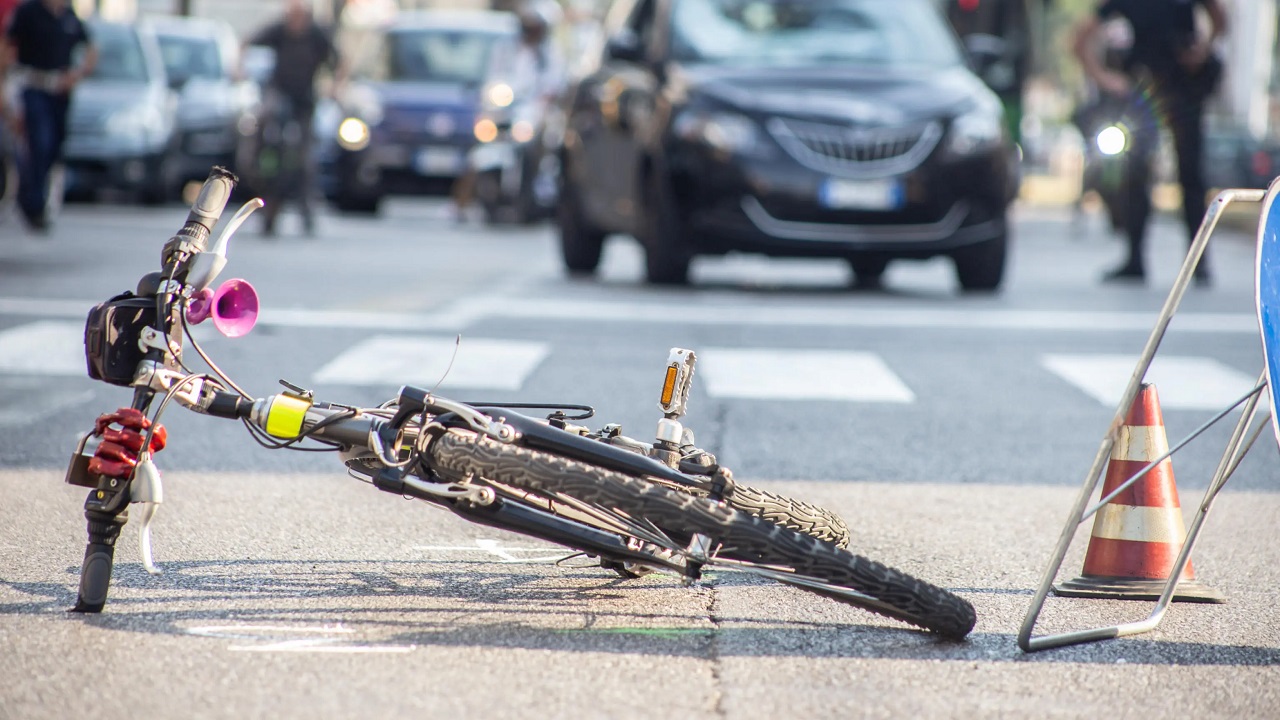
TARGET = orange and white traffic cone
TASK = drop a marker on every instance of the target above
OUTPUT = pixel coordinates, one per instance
(1138, 534)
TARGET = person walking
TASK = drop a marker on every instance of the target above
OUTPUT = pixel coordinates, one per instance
(302, 48)
(39, 46)
(1169, 73)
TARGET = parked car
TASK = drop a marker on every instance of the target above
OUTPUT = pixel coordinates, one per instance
(121, 130)
(1234, 158)
(827, 128)
(200, 57)
(410, 110)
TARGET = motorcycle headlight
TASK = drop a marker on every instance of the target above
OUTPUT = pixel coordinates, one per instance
(499, 95)
(975, 131)
(353, 134)
(724, 131)
(1112, 140)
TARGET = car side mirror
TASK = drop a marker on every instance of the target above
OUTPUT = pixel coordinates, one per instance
(625, 46)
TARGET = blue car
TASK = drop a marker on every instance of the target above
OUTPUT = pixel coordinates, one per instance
(408, 116)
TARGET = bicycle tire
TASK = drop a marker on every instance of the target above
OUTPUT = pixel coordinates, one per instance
(892, 593)
(803, 517)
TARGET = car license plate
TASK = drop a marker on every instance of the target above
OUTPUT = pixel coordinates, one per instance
(437, 161)
(885, 194)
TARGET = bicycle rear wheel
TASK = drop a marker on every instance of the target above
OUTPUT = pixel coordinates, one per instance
(754, 544)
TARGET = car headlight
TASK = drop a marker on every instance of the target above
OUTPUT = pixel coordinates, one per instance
(353, 134)
(724, 131)
(485, 130)
(975, 131)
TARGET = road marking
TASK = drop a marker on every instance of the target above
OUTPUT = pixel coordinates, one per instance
(494, 548)
(35, 401)
(392, 360)
(1183, 382)
(459, 315)
(47, 347)
(306, 644)
(800, 375)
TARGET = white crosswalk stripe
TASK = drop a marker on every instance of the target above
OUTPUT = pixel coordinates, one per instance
(800, 375)
(47, 347)
(55, 348)
(394, 360)
(1183, 382)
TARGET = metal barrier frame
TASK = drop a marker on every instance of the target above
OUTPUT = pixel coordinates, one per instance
(1235, 451)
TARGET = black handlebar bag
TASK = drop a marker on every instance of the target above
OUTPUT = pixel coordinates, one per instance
(111, 334)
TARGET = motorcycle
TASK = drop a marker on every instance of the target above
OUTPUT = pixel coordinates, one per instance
(1120, 133)
(515, 162)
(634, 506)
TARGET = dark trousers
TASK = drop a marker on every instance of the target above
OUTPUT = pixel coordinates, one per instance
(1182, 116)
(291, 140)
(45, 115)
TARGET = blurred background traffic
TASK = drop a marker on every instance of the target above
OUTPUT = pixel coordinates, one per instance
(861, 129)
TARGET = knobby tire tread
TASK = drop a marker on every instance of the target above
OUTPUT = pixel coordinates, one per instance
(458, 453)
(803, 517)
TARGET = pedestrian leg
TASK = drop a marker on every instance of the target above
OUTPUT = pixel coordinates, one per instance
(1187, 125)
(41, 143)
(306, 175)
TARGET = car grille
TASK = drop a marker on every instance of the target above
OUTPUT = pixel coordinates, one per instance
(856, 151)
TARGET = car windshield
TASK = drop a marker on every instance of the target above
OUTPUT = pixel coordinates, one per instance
(808, 32)
(457, 56)
(190, 57)
(120, 55)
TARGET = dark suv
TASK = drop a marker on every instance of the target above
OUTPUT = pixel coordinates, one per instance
(820, 128)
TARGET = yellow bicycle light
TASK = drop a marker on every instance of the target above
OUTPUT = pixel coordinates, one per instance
(285, 416)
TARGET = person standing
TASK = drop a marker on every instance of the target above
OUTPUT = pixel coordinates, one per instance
(39, 45)
(1170, 72)
(302, 48)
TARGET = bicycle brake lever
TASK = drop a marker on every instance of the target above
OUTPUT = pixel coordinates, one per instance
(147, 489)
(206, 266)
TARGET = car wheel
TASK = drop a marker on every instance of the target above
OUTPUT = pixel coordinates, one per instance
(663, 235)
(580, 243)
(868, 271)
(980, 267)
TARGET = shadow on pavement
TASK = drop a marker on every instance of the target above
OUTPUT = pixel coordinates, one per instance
(401, 605)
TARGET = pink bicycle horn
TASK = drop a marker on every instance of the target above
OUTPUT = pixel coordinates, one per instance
(233, 307)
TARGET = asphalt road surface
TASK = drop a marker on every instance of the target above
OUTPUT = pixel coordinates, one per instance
(953, 433)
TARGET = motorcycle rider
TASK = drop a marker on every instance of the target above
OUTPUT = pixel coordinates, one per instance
(302, 47)
(1171, 70)
(536, 71)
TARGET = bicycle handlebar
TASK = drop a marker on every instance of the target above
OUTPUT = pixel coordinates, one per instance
(204, 215)
(105, 508)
